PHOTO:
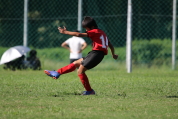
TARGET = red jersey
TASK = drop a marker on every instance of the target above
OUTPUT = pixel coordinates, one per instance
(100, 40)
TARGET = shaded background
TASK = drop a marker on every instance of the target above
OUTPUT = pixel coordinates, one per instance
(152, 26)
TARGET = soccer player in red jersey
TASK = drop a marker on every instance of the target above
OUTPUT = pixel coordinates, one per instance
(94, 57)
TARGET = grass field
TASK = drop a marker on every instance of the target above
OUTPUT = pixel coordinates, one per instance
(143, 94)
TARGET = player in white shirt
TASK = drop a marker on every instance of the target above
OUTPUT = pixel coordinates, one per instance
(75, 45)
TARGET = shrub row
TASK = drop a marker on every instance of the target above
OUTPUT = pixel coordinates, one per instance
(155, 51)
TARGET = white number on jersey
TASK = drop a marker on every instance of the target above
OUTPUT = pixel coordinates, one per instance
(104, 41)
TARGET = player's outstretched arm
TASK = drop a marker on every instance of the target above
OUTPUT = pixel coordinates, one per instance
(112, 50)
(64, 31)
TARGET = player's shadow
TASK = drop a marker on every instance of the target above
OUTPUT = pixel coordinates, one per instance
(65, 93)
(173, 96)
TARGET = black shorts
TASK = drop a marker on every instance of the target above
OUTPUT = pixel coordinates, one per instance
(72, 60)
(93, 59)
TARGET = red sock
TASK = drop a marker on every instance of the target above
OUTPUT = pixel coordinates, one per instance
(84, 79)
(66, 69)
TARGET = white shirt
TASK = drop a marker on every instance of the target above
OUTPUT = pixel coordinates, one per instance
(75, 44)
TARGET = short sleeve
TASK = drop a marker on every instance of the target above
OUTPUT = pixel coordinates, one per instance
(67, 41)
(82, 41)
(90, 34)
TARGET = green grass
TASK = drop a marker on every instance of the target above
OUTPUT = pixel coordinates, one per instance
(142, 94)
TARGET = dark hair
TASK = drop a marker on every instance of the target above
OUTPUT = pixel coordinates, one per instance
(89, 22)
(33, 53)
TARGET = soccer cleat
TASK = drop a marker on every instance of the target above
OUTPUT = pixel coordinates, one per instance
(53, 74)
(88, 92)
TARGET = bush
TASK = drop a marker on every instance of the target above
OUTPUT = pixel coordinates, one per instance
(153, 52)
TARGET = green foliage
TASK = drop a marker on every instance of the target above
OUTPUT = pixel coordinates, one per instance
(61, 54)
(153, 52)
(3, 49)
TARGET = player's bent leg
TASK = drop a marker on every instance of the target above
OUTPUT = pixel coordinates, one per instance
(66, 69)
(78, 62)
